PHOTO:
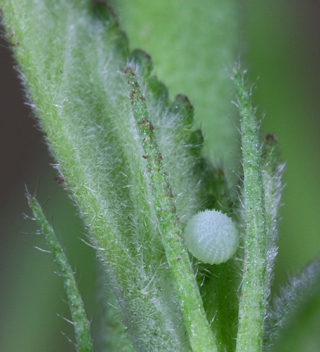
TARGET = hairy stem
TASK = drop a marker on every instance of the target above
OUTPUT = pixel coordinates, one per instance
(253, 291)
(78, 314)
(201, 338)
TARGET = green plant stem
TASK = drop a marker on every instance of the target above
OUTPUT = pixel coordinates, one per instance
(78, 314)
(272, 171)
(252, 301)
(201, 338)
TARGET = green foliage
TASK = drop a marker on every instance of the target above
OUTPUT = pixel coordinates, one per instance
(166, 212)
(132, 160)
(194, 46)
(252, 303)
(80, 321)
(296, 300)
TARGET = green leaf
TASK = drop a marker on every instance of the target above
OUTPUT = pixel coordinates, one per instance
(272, 170)
(78, 314)
(254, 286)
(194, 45)
(169, 223)
(72, 55)
(297, 306)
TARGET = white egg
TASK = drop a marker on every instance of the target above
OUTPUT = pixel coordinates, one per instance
(211, 237)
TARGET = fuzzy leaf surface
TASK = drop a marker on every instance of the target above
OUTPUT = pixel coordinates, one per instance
(72, 57)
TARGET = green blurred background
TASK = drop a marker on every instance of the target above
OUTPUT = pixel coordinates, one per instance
(280, 46)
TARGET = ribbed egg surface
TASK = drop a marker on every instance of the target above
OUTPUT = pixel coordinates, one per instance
(211, 237)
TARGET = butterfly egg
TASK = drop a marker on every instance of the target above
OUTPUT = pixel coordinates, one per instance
(211, 237)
